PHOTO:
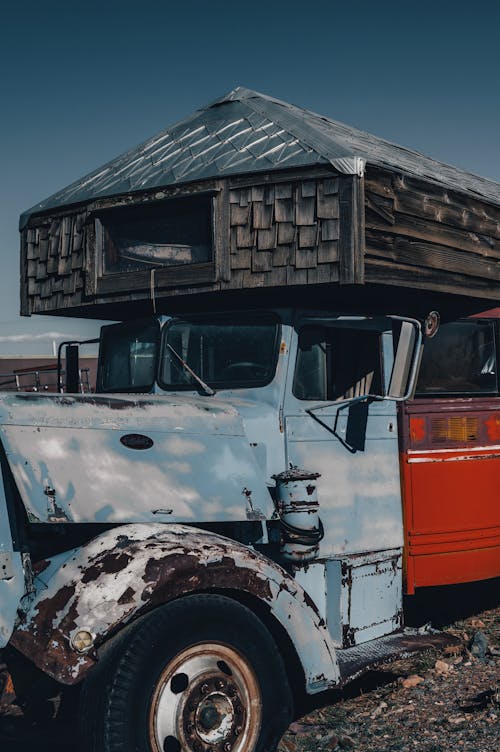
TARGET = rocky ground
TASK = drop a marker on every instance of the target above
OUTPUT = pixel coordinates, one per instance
(446, 701)
(433, 702)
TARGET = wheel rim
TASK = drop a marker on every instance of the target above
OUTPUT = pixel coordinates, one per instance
(207, 699)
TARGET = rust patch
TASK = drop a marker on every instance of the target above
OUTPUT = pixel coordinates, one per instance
(50, 607)
(176, 574)
(40, 566)
(127, 596)
(109, 563)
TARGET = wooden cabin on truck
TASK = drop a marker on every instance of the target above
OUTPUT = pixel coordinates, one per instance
(232, 519)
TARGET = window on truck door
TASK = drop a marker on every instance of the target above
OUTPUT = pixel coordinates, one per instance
(337, 363)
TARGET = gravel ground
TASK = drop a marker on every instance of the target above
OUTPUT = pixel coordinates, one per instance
(433, 702)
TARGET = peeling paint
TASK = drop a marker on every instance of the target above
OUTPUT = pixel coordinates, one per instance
(120, 575)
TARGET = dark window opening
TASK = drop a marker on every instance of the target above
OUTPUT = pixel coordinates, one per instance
(128, 357)
(460, 359)
(334, 364)
(226, 352)
(172, 233)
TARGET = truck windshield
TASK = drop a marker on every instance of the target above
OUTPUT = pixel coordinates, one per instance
(128, 356)
(227, 352)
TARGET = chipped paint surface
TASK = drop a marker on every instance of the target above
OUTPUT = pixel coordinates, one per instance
(70, 464)
(129, 570)
(12, 585)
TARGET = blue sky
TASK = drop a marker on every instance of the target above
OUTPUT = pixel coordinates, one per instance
(83, 81)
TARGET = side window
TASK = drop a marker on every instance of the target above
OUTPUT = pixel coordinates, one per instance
(127, 357)
(460, 359)
(337, 363)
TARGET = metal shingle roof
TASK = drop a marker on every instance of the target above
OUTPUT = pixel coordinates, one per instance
(245, 132)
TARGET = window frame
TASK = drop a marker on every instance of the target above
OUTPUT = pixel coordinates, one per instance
(210, 319)
(477, 393)
(336, 326)
(109, 283)
(143, 389)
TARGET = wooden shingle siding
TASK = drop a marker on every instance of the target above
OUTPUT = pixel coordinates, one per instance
(291, 229)
(429, 237)
(52, 261)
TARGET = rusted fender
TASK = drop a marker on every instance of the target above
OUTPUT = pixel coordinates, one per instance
(129, 570)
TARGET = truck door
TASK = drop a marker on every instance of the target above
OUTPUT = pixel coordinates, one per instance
(352, 444)
(11, 567)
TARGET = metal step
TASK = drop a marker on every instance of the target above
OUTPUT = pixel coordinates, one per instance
(361, 658)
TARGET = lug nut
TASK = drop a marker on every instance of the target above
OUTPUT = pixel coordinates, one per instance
(204, 689)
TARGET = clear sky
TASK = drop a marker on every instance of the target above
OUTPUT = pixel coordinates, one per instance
(82, 82)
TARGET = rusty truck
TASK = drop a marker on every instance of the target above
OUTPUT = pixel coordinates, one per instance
(218, 531)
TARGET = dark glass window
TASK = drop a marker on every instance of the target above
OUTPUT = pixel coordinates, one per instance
(128, 357)
(226, 352)
(337, 363)
(167, 234)
(460, 359)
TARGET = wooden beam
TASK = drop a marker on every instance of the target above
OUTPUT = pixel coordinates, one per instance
(351, 230)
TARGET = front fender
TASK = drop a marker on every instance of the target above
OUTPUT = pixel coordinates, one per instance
(127, 571)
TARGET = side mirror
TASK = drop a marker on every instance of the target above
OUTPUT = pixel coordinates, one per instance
(406, 361)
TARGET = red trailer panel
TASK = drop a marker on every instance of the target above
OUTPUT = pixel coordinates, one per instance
(450, 466)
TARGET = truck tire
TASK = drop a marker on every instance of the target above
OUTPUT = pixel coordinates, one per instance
(201, 674)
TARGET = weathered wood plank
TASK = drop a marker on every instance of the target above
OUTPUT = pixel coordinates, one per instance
(305, 208)
(296, 276)
(222, 239)
(245, 196)
(277, 278)
(327, 203)
(245, 237)
(283, 210)
(433, 256)
(351, 230)
(329, 229)
(262, 261)
(306, 258)
(308, 236)
(379, 181)
(283, 255)
(242, 259)
(382, 207)
(262, 215)
(240, 215)
(253, 279)
(308, 189)
(328, 251)
(269, 194)
(321, 274)
(283, 190)
(266, 239)
(257, 193)
(416, 185)
(286, 233)
(406, 202)
(433, 232)
(379, 271)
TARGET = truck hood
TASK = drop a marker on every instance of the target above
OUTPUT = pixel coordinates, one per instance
(131, 458)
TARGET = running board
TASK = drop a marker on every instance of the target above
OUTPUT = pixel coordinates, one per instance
(369, 655)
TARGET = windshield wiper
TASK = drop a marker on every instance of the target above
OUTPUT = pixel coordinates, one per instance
(207, 389)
